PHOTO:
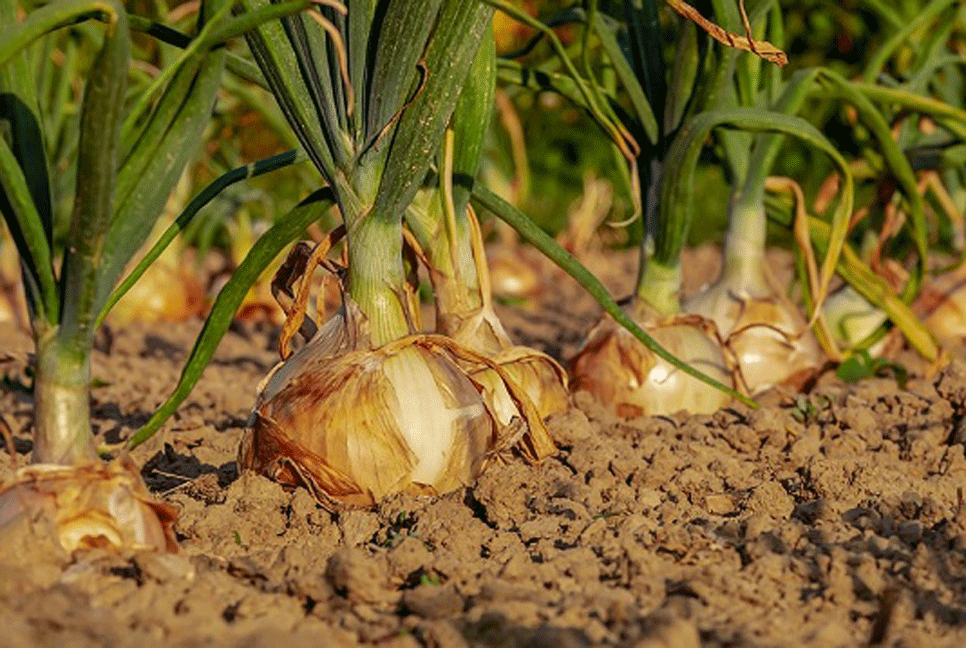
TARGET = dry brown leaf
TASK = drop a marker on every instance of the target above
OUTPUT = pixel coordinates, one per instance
(763, 49)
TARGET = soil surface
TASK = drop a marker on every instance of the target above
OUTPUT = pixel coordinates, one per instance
(836, 519)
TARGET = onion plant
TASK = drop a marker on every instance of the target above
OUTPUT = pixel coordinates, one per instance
(371, 406)
(129, 156)
(915, 84)
(768, 335)
(613, 366)
(445, 227)
(653, 134)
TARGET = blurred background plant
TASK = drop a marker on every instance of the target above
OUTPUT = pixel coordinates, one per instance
(888, 96)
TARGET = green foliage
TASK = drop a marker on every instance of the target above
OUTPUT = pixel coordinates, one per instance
(861, 365)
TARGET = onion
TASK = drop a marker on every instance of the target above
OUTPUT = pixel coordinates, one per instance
(632, 380)
(514, 272)
(766, 333)
(87, 506)
(13, 304)
(542, 379)
(354, 423)
(168, 291)
(944, 300)
(851, 318)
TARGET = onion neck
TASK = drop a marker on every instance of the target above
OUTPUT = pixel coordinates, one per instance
(745, 245)
(376, 279)
(659, 286)
(62, 423)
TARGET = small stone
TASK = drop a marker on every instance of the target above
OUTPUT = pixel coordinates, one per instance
(771, 499)
(649, 498)
(358, 526)
(164, 567)
(667, 631)
(910, 532)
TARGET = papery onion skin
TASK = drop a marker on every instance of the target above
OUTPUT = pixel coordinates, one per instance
(539, 375)
(513, 274)
(767, 335)
(340, 427)
(354, 424)
(167, 292)
(627, 377)
(946, 307)
(86, 507)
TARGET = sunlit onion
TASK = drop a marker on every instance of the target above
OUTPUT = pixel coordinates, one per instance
(851, 318)
(168, 291)
(540, 376)
(632, 380)
(355, 424)
(88, 506)
(767, 335)
(944, 302)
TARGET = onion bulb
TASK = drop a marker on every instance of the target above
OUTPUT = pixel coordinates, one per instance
(354, 423)
(13, 304)
(168, 291)
(540, 377)
(851, 318)
(766, 333)
(624, 375)
(87, 506)
(514, 272)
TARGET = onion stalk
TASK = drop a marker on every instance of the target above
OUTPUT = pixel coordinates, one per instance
(369, 406)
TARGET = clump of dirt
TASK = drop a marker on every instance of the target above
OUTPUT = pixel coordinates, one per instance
(832, 519)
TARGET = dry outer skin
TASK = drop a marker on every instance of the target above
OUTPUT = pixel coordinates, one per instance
(835, 522)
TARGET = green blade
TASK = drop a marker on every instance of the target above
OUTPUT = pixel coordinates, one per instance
(898, 164)
(395, 70)
(100, 129)
(448, 58)
(156, 168)
(15, 37)
(677, 194)
(26, 228)
(471, 121)
(25, 199)
(208, 194)
(284, 73)
(607, 32)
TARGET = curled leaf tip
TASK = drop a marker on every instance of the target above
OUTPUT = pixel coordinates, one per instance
(760, 48)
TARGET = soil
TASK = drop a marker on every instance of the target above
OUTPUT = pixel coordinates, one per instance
(832, 519)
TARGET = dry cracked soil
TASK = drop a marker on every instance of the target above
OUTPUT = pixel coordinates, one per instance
(836, 519)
